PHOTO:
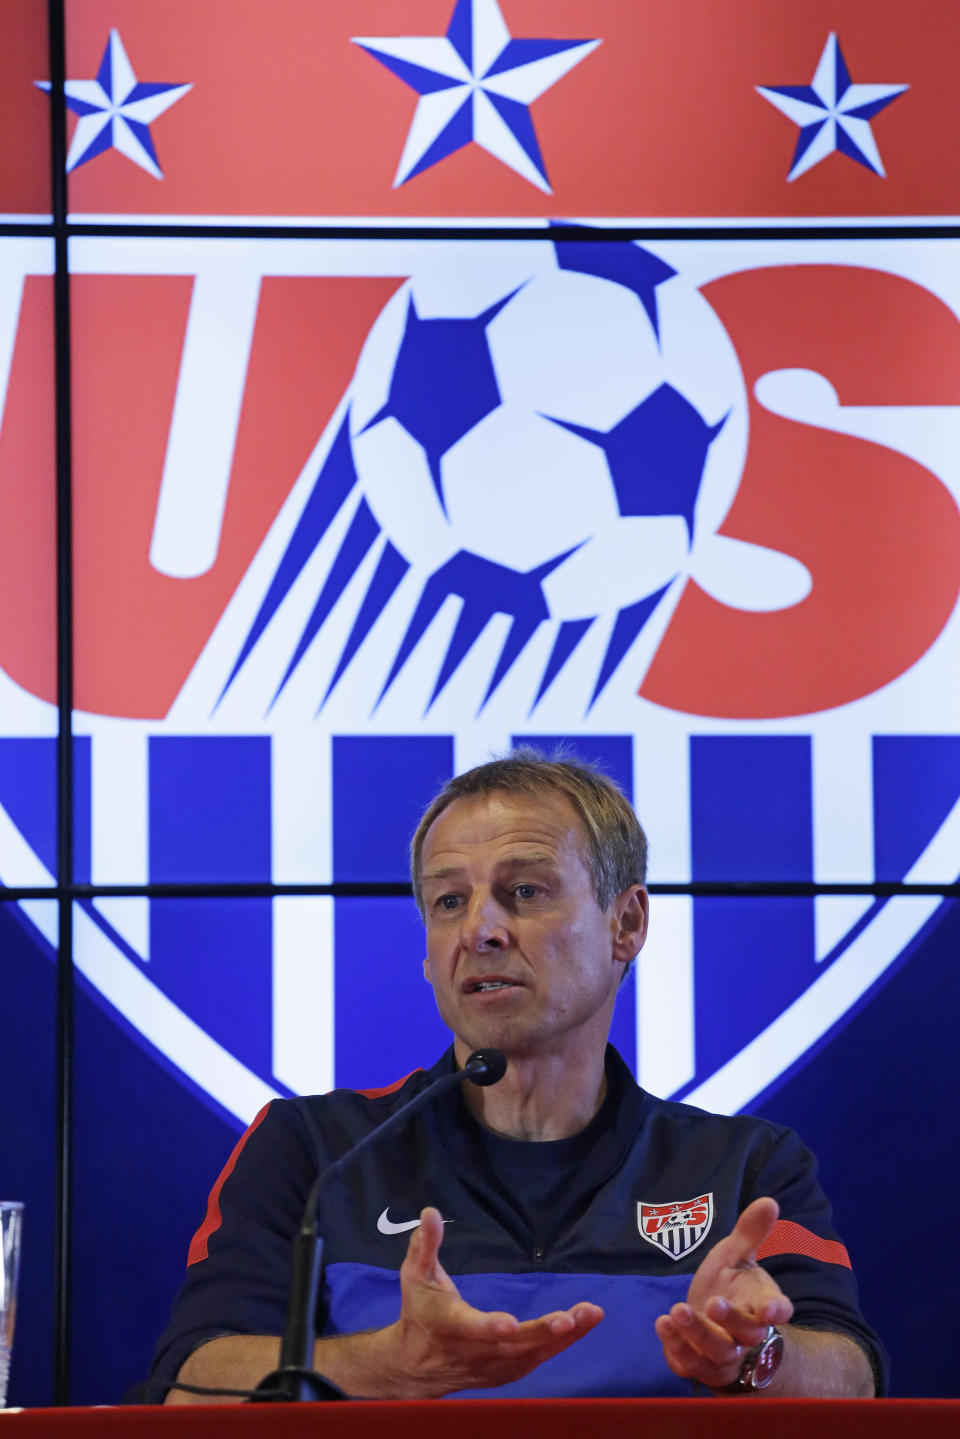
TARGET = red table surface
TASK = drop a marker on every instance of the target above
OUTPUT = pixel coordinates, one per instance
(526, 1419)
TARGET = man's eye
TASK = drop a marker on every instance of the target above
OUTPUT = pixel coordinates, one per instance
(525, 891)
(448, 901)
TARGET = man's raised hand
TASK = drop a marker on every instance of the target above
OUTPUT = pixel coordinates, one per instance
(445, 1344)
(730, 1304)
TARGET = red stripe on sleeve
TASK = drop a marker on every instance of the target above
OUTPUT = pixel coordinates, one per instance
(198, 1244)
(388, 1088)
(786, 1237)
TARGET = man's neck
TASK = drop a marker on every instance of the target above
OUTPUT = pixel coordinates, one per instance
(539, 1098)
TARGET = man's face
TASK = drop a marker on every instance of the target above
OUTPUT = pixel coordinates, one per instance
(519, 953)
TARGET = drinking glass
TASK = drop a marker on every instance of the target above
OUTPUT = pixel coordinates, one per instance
(11, 1226)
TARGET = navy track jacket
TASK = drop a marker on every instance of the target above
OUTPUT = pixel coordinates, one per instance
(653, 1185)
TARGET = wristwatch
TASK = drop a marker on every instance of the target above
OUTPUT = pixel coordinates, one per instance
(759, 1364)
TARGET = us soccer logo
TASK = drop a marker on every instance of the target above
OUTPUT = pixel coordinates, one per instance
(608, 493)
(676, 1228)
(391, 506)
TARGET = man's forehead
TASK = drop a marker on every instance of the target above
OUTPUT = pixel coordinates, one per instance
(545, 824)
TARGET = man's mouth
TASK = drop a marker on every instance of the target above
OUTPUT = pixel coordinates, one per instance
(485, 984)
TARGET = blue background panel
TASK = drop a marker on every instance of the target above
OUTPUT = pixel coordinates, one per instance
(28, 792)
(214, 960)
(210, 809)
(753, 958)
(28, 1141)
(386, 1020)
(877, 1104)
(751, 807)
(148, 1147)
(916, 783)
(381, 786)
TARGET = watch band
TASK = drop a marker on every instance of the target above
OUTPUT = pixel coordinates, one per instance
(760, 1364)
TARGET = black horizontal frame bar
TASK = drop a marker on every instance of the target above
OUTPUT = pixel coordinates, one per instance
(398, 889)
(948, 230)
(26, 228)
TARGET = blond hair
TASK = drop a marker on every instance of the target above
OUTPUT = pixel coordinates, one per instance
(616, 843)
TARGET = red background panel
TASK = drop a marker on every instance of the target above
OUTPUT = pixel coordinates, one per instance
(24, 110)
(287, 117)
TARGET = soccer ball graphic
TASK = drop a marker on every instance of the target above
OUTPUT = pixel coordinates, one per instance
(571, 421)
(554, 437)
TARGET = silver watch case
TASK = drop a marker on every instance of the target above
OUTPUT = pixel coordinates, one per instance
(760, 1363)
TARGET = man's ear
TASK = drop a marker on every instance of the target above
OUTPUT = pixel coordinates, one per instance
(631, 912)
(426, 970)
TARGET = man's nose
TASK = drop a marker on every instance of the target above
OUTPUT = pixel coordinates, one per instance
(484, 925)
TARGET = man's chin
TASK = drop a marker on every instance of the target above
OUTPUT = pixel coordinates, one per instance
(512, 1039)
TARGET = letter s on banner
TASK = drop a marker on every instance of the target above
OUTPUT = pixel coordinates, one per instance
(879, 533)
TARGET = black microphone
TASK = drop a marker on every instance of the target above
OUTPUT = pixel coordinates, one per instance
(486, 1067)
(296, 1379)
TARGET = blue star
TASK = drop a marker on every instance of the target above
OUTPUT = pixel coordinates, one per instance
(476, 83)
(116, 111)
(833, 113)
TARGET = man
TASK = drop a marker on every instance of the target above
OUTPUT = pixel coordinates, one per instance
(581, 1217)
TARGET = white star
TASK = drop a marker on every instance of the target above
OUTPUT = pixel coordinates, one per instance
(832, 112)
(475, 83)
(115, 110)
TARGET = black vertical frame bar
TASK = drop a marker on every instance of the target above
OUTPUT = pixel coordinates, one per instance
(64, 545)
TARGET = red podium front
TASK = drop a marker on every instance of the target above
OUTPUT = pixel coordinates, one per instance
(739, 1418)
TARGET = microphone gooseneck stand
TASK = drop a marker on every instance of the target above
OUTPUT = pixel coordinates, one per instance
(295, 1379)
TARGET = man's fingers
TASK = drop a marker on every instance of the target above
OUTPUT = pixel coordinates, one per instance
(476, 1348)
(581, 1317)
(679, 1354)
(687, 1359)
(431, 1227)
(424, 1246)
(749, 1325)
(551, 1333)
(744, 1328)
(710, 1340)
(494, 1325)
(468, 1348)
(752, 1228)
(542, 1333)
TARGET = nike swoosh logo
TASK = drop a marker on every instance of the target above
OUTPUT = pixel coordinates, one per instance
(387, 1226)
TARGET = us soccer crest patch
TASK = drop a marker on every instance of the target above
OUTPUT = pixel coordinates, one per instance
(677, 1227)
